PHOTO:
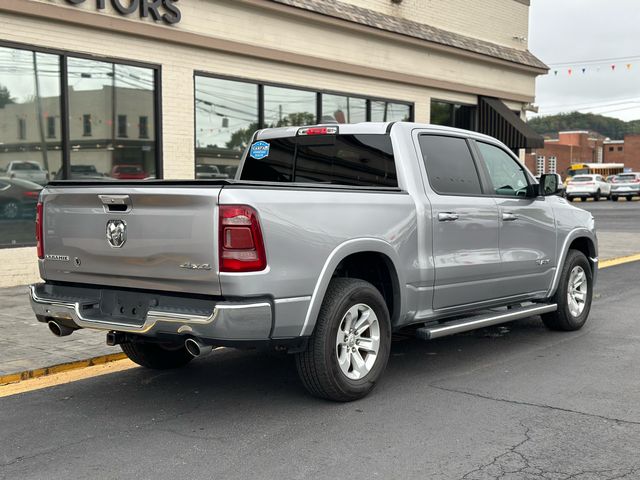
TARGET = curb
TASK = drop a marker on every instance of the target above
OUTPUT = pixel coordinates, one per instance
(62, 367)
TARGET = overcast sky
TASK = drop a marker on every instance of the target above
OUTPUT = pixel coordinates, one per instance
(590, 34)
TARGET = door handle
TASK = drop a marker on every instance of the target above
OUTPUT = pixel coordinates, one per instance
(447, 217)
(509, 217)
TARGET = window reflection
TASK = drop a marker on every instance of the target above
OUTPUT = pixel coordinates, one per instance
(226, 118)
(341, 109)
(103, 98)
(390, 112)
(453, 114)
(286, 106)
(30, 147)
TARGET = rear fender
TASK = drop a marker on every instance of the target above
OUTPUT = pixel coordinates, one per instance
(338, 254)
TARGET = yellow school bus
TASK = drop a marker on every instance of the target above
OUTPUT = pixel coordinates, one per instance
(604, 169)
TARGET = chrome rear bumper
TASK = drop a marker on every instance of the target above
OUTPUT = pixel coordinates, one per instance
(250, 320)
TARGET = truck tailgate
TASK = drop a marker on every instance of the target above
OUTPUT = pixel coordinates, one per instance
(151, 237)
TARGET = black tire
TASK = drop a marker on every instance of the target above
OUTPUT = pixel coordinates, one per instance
(562, 319)
(596, 197)
(569, 199)
(156, 356)
(583, 199)
(614, 198)
(318, 366)
(629, 199)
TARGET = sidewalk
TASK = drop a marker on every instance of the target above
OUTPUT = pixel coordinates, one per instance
(26, 344)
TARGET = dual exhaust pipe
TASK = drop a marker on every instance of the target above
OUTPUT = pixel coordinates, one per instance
(193, 346)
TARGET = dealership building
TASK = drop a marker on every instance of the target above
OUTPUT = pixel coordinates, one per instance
(117, 89)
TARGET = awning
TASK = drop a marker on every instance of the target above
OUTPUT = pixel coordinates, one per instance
(495, 119)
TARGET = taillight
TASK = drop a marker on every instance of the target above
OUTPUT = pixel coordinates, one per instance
(39, 230)
(31, 194)
(240, 240)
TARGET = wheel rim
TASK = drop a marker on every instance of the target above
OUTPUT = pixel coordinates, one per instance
(11, 210)
(577, 291)
(358, 341)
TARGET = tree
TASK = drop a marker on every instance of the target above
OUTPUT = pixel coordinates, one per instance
(5, 96)
(607, 126)
(241, 138)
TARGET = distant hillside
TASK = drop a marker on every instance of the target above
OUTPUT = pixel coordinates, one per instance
(607, 126)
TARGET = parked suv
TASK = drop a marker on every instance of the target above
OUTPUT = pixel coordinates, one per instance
(625, 185)
(585, 186)
(330, 239)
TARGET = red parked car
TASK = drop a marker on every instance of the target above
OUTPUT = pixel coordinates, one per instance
(128, 172)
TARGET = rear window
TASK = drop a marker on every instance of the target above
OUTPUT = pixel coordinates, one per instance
(625, 178)
(582, 179)
(357, 160)
(129, 169)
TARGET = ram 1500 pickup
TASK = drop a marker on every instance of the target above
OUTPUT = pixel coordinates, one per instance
(329, 239)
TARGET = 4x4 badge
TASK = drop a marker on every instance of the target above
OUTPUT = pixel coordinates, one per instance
(116, 233)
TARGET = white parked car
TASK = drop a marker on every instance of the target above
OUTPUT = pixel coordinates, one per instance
(585, 186)
(31, 171)
(625, 185)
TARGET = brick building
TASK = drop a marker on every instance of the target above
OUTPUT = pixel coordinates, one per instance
(570, 147)
(625, 151)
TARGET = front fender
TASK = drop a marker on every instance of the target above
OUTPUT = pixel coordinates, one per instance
(342, 251)
(564, 250)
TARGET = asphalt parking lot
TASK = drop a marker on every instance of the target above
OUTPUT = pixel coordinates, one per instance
(513, 402)
(617, 226)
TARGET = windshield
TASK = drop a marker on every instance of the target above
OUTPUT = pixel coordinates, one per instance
(83, 169)
(358, 160)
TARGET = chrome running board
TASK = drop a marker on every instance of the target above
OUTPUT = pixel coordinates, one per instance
(482, 321)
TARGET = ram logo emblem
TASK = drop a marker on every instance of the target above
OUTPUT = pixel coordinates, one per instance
(116, 233)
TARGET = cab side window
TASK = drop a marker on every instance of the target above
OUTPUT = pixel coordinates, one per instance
(450, 166)
(505, 172)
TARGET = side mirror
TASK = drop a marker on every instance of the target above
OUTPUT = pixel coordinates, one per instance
(550, 184)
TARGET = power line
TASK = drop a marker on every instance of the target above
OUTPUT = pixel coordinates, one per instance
(595, 61)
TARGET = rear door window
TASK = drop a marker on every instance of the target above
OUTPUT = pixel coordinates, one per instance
(357, 160)
(450, 166)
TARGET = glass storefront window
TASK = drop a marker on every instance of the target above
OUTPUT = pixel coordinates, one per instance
(342, 109)
(30, 144)
(390, 112)
(226, 118)
(453, 115)
(286, 106)
(104, 97)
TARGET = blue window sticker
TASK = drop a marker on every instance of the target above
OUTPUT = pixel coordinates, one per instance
(259, 150)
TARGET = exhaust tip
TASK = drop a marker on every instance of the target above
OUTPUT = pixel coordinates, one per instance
(59, 330)
(195, 348)
(192, 347)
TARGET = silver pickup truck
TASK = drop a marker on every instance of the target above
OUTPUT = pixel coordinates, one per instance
(330, 239)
